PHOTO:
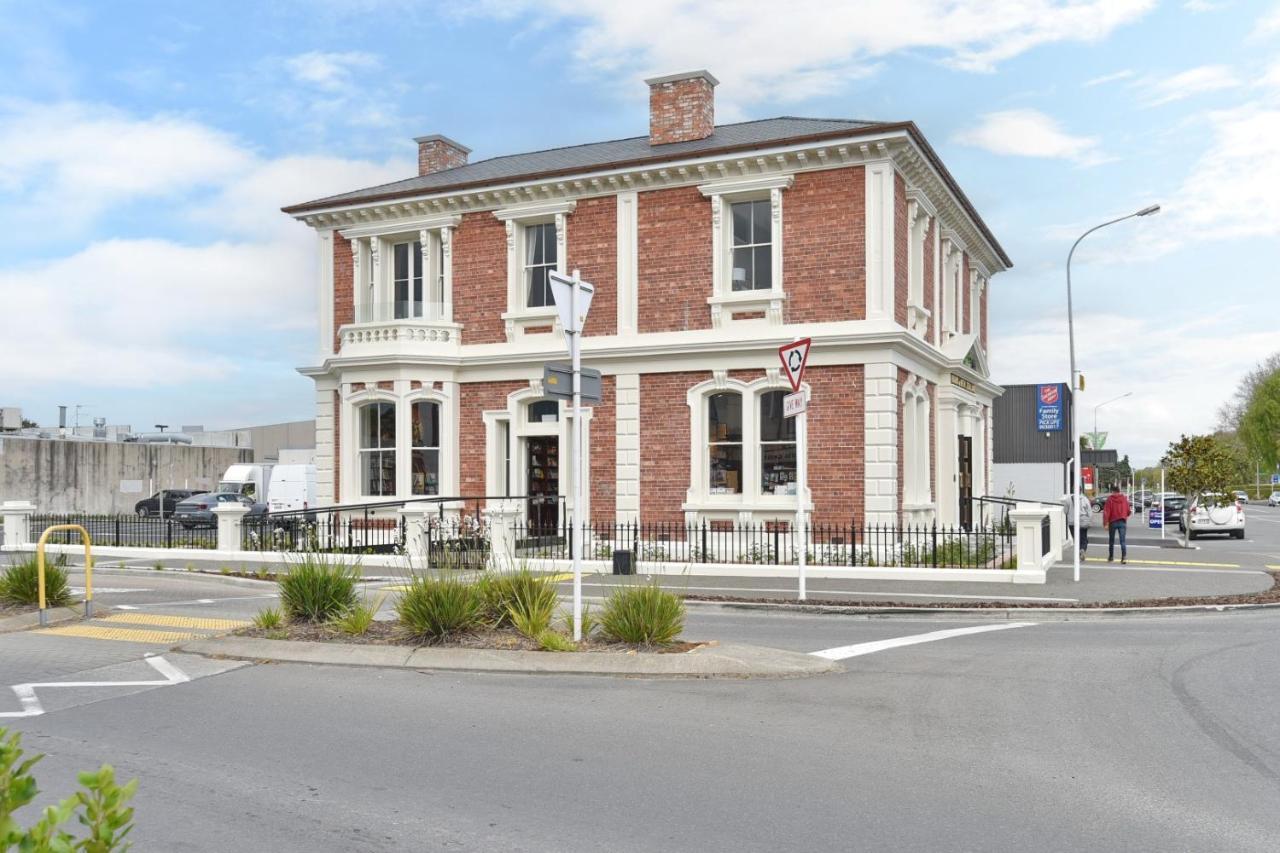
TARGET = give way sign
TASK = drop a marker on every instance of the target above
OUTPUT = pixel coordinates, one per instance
(794, 356)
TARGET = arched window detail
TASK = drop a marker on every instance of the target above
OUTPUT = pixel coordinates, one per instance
(724, 443)
(424, 450)
(378, 449)
(916, 451)
(777, 446)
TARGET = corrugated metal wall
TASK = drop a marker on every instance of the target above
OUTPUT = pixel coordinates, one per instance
(1014, 430)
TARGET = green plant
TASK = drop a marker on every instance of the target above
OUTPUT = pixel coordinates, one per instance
(533, 603)
(435, 608)
(159, 566)
(268, 618)
(552, 641)
(645, 614)
(318, 589)
(20, 583)
(226, 570)
(357, 620)
(102, 804)
(504, 592)
(589, 621)
(263, 574)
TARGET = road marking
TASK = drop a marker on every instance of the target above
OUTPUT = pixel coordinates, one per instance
(107, 590)
(858, 649)
(1167, 563)
(126, 635)
(749, 589)
(195, 601)
(177, 621)
(31, 706)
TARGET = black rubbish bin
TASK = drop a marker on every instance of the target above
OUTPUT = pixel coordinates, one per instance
(624, 563)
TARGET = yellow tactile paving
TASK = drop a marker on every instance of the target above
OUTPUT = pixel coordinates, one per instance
(192, 622)
(90, 631)
(1166, 563)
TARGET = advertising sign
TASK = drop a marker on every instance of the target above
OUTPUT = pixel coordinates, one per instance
(1155, 518)
(1049, 405)
(1086, 478)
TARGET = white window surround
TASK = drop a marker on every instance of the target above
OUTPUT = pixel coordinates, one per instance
(698, 500)
(916, 449)
(724, 301)
(518, 316)
(919, 217)
(372, 267)
(952, 286)
(403, 397)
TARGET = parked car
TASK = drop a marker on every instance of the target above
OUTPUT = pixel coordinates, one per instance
(197, 510)
(1273, 499)
(1174, 505)
(172, 497)
(1141, 498)
(1241, 496)
(1214, 514)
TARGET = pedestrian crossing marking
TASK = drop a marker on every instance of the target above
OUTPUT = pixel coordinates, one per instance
(90, 631)
(193, 622)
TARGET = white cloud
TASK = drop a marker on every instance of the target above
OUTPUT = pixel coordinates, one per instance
(1268, 24)
(1185, 84)
(1030, 133)
(1110, 78)
(1202, 6)
(329, 71)
(762, 52)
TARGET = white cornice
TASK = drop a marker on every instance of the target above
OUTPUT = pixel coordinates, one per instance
(536, 209)
(394, 227)
(747, 185)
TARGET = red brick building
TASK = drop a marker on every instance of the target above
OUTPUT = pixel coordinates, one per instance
(709, 247)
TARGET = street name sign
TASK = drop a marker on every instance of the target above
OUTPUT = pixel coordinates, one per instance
(794, 356)
(557, 381)
(794, 404)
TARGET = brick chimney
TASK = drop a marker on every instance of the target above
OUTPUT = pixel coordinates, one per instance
(682, 107)
(437, 153)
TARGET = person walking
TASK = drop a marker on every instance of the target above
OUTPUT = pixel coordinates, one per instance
(1085, 510)
(1115, 517)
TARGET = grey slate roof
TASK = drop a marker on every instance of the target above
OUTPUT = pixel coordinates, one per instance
(577, 158)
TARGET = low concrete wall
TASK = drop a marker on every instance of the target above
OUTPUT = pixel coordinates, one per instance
(64, 475)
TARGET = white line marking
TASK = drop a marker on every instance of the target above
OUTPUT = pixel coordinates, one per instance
(108, 590)
(843, 652)
(745, 590)
(125, 607)
(31, 706)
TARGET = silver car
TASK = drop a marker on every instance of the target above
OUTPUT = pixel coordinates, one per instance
(197, 510)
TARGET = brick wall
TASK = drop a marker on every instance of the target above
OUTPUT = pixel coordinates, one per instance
(901, 247)
(930, 258)
(836, 449)
(480, 278)
(474, 398)
(824, 246)
(664, 444)
(602, 476)
(674, 236)
(593, 248)
(344, 307)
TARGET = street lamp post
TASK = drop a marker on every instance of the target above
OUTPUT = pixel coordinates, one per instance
(1108, 403)
(1071, 341)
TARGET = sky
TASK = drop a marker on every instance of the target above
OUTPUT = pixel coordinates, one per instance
(148, 276)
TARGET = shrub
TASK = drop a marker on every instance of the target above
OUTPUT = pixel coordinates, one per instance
(20, 583)
(318, 590)
(533, 603)
(521, 591)
(434, 608)
(589, 621)
(645, 614)
(357, 620)
(268, 619)
(551, 641)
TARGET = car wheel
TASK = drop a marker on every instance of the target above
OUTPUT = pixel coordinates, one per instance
(142, 512)
(1237, 534)
(1191, 536)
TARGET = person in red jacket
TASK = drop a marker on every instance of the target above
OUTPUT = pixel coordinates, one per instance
(1115, 517)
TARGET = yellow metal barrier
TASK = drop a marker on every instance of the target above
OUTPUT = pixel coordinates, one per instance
(88, 569)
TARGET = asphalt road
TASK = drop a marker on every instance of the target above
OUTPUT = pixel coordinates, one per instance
(1136, 734)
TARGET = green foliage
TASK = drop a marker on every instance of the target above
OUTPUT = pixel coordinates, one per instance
(589, 622)
(357, 620)
(645, 614)
(505, 593)
(1260, 422)
(1198, 464)
(268, 619)
(318, 588)
(551, 641)
(432, 609)
(20, 583)
(101, 806)
(532, 604)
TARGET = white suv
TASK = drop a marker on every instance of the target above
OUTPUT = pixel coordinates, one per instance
(1216, 514)
(1274, 499)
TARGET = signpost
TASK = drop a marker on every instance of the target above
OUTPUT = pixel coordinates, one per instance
(573, 300)
(795, 356)
(557, 381)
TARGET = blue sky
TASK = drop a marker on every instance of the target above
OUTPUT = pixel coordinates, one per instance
(148, 275)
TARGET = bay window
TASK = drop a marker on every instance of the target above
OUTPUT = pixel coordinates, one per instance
(377, 449)
(424, 451)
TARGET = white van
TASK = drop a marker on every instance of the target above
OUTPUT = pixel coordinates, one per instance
(293, 487)
(253, 481)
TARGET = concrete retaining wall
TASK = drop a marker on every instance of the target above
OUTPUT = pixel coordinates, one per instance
(61, 475)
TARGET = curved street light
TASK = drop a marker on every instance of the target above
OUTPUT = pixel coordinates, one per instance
(1108, 403)
(1075, 421)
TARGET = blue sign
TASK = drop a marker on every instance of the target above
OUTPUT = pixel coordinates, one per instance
(1049, 404)
(1275, 479)
(1155, 518)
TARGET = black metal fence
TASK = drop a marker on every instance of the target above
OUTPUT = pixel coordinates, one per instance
(776, 543)
(332, 532)
(124, 530)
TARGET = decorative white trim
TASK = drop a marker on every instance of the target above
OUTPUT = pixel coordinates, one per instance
(519, 317)
(737, 186)
(536, 210)
(879, 223)
(402, 226)
(724, 301)
(628, 268)
(324, 259)
(880, 407)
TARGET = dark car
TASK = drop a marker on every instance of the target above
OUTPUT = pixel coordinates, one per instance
(1173, 507)
(197, 510)
(172, 497)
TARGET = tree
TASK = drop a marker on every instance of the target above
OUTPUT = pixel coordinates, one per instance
(1199, 465)
(1231, 413)
(1259, 428)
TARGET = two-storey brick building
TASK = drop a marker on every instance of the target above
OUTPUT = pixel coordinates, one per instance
(709, 247)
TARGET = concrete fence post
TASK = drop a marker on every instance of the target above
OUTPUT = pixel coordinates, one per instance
(1029, 545)
(417, 520)
(230, 516)
(17, 521)
(500, 518)
(1059, 532)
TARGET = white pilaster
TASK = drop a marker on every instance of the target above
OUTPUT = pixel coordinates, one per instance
(879, 237)
(446, 266)
(880, 402)
(325, 306)
(627, 445)
(628, 266)
(325, 462)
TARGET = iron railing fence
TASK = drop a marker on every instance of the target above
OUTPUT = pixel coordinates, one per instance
(125, 530)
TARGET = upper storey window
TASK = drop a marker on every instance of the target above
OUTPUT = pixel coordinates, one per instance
(407, 279)
(752, 245)
(540, 259)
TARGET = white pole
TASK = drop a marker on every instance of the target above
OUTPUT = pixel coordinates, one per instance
(1162, 524)
(802, 481)
(576, 334)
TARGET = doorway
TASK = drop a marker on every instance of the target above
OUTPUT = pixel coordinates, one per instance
(964, 478)
(543, 484)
